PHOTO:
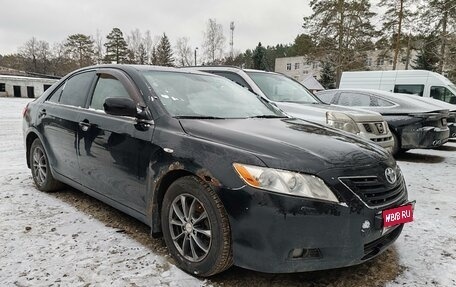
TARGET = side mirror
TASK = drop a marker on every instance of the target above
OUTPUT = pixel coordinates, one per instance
(120, 107)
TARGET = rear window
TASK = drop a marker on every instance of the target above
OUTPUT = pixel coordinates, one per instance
(76, 89)
(409, 89)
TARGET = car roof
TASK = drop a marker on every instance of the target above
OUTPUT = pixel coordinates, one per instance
(224, 68)
(398, 98)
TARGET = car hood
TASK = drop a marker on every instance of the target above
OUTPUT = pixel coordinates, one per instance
(317, 112)
(290, 144)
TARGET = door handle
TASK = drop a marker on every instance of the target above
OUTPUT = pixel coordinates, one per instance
(85, 125)
(42, 113)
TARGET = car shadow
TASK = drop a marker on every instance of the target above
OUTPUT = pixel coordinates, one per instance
(447, 148)
(376, 272)
(419, 158)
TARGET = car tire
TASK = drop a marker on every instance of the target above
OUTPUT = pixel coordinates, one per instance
(196, 228)
(41, 172)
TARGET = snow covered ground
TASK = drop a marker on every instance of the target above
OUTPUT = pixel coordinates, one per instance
(69, 239)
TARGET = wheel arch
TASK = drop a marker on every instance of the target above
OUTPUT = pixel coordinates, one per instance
(30, 138)
(158, 195)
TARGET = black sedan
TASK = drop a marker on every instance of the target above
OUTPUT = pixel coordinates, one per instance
(414, 123)
(225, 178)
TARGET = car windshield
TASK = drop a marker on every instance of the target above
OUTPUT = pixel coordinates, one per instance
(186, 95)
(279, 88)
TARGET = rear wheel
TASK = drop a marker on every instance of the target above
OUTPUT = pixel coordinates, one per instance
(41, 171)
(196, 227)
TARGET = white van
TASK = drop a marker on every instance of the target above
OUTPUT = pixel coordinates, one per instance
(417, 82)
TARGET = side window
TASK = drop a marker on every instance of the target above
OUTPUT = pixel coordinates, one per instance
(381, 103)
(107, 87)
(56, 94)
(409, 89)
(354, 100)
(76, 89)
(233, 77)
(443, 94)
(325, 97)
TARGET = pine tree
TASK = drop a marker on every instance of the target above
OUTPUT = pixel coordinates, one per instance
(80, 49)
(164, 52)
(142, 54)
(153, 56)
(258, 57)
(116, 47)
(440, 20)
(347, 24)
(328, 76)
(396, 20)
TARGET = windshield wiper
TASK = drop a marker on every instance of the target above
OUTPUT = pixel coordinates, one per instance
(268, 117)
(199, 117)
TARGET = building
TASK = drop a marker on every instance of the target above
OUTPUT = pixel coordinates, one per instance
(302, 67)
(19, 84)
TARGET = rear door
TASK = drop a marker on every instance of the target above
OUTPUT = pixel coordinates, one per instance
(111, 147)
(59, 123)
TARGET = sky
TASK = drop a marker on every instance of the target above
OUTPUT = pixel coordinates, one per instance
(269, 21)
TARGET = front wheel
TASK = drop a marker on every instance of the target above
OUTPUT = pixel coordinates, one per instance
(196, 227)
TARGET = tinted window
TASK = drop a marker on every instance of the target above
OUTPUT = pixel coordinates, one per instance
(76, 89)
(443, 94)
(56, 94)
(409, 89)
(326, 97)
(354, 100)
(107, 87)
(233, 77)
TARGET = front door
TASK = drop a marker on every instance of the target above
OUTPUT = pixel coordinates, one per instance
(110, 146)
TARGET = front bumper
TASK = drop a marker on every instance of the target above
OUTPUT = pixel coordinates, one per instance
(425, 137)
(268, 227)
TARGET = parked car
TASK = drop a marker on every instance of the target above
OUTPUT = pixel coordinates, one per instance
(451, 120)
(294, 99)
(226, 178)
(417, 82)
(414, 123)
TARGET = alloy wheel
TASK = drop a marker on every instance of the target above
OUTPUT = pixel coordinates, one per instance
(190, 227)
(39, 165)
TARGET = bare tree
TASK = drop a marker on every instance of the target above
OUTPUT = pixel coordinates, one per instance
(134, 41)
(148, 45)
(214, 40)
(30, 52)
(99, 47)
(184, 52)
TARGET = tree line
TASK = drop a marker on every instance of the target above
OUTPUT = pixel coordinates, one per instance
(339, 34)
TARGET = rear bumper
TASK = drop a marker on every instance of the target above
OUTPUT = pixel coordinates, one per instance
(425, 137)
(452, 127)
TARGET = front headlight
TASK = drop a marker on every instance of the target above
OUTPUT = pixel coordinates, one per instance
(285, 182)
(341, 121)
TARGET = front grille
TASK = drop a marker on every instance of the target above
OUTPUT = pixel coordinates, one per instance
(375, 192)
(377, 128)
(383, 139)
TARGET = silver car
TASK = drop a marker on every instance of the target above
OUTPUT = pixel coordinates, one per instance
(295, 100)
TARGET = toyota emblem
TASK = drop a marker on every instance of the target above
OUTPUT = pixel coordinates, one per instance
(390, 175)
